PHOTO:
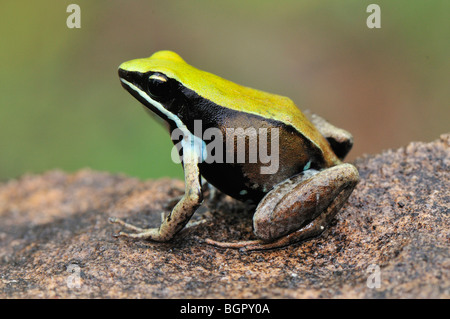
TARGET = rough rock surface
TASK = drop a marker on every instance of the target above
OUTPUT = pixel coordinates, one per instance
(391, 240)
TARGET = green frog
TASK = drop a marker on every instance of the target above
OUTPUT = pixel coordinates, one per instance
(295, 201)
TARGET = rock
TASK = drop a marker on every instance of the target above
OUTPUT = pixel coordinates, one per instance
(391, 240)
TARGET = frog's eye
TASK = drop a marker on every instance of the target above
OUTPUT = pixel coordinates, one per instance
(158, 85)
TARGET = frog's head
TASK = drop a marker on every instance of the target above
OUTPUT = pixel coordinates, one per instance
(154, 82)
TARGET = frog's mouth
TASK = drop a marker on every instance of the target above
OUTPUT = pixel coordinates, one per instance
(130, 82)
(147, 100)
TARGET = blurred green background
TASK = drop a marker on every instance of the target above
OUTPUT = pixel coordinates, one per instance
(62, 106)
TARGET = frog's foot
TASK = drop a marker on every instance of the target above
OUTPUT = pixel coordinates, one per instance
(257, 244)
(140, 233)
(243, 245)
(313, 229)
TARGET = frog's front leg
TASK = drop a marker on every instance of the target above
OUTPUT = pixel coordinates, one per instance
(180, 214)
(299, 208)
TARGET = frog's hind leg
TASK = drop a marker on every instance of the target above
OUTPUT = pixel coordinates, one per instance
(299, 208)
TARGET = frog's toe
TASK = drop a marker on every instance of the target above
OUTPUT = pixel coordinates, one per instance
(121, 234)
(114, 220)
(236, 245)
(146, 234)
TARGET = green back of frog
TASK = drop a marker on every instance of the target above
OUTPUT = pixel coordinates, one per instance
(233, 96)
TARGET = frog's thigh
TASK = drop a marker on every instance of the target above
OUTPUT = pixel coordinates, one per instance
(303, 206)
